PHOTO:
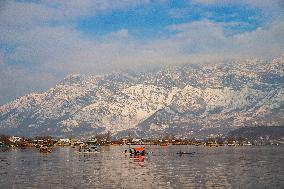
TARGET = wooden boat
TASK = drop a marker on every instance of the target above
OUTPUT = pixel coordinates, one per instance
(45, 149)
(138, 151)
(182, 153)
(3, 147)
(89, 149)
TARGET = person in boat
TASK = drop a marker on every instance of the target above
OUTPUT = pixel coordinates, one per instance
(139, 151)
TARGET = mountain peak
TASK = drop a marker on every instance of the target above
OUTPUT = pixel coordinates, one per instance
(183, 100)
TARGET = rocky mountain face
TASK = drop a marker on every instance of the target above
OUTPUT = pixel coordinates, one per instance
(184, 101)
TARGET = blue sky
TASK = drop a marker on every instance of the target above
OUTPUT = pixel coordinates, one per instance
(42, 41)
(144, 22)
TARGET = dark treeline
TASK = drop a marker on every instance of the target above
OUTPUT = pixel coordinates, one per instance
(253, 133)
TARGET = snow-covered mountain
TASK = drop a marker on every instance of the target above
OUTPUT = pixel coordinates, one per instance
(188, 100)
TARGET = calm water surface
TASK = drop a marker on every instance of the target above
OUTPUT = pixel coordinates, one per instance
(222, 167)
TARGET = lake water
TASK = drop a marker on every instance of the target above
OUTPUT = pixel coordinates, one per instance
(215, 167)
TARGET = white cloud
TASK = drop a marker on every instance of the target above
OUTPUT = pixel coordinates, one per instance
(63, 10)
(209, 38)
(266, 42)
(192, 42)
(16, 81)
(45, 44)
(50, 51)
(123, 33)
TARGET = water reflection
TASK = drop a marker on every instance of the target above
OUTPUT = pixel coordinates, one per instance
(225, 167)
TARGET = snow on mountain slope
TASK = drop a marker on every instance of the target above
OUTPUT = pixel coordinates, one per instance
(188, 100)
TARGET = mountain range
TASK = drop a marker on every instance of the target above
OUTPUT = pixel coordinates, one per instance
(182, 101)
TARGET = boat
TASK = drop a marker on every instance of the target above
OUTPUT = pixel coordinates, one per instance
(92, 149)
(182, 153)
(138, 151)
(3, 147)
(45, 149)
(138, 154)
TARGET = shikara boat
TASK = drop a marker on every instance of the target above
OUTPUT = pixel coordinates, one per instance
(3, 147)
(182, 153)
(45, 149)
(93, 149)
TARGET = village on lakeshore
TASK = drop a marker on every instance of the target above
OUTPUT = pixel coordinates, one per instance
(101, 140)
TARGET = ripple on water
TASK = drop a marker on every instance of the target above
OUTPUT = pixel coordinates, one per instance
(225, 167)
